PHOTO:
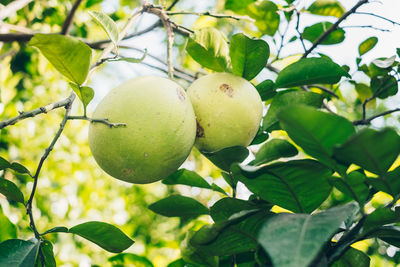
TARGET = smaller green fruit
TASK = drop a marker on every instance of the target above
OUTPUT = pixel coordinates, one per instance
(228, 109)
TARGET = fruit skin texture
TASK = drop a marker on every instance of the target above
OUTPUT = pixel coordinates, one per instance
(159, 134)
(228, 110)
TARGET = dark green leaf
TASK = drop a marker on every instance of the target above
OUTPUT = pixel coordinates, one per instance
(283, 99)
(238, 6)
(130, 259)
(266, 16)
(310, 71)
(312, 130)
(4, 164)
(388, 182)
(193, 255)
(209, 48)
(274, 149)
(226, 207)
(107, 24)
(260, 137)
(19, 168)
(47, 250)
(179, 206)
(367, 45)
(90, 3)
(384, 86)
(186, 177)
(303, 235)
(71, 57)
(298, 185)
(379, 217)
(389, 234)
(7, 230)
(312, 33)
(85, 93)
(224, 158)
(236, 238)
(266, 89)
(370, 149)
(327, 8)
(353, 185)
(103, 234)
(58, 229)
(353, 258)
(18, 253)
(177, 263)
(11, 191)
(248, 56)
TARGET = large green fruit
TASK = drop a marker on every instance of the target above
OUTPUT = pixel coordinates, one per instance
(159, 134)
(228, 110)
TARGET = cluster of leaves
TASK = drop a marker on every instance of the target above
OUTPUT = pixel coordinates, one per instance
(324, 152)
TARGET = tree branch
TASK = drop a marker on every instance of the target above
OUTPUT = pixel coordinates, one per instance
(366, 26)
(298, 31)
(367, 121)
(378, 16)
(68, 21)
(42, 160)
(37, 111)
(207, 13)
(334, 27)
(104, 121)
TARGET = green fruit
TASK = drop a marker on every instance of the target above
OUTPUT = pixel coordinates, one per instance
(228, 110)
(159, 134)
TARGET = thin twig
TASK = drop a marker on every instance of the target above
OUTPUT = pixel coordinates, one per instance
(176, 74)
(298, 31)
(162, 14)
(367, 121)
(366, 26)
(378, 16)
(68, 21)
(37, 111)
(281, 44)
(92, 120)
(209, 14)
(334, 26)
(172, 5)
(42, 160)
(325, 89)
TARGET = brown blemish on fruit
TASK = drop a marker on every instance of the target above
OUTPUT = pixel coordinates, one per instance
(199, 130)
(227, 89)
(127, 172)
(181, 94)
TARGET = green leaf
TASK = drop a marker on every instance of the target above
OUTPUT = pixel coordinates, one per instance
(58, 229)
(237, 237)
(104, 235)
(179, 206)
(224, 158)
(285, 98)
(107, 24)
(19, 168)
(224, 208)
(209, 48)
(238, 6)
(310, 71)
(178, 263)
(312, 33)
(363, 91)
(380, 217)
(11, 191)
(85, 93)
(186, 177)
(19, 253)
(302, 234)
(47, 250)
(389, 234)
(388, 183)
(71, 57)
(367, 45)
(193, 255)
(370, 149)
(353, 258)
(4, 164)
(266, 16)
(384, 86)
(266, 89)
(313, 130)
(297, 185)
(327, 8)
(7, 230)
(274, 149)
(130, 259)
(260, 137)
(384, 62)
(353, 185)
(248, 56)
